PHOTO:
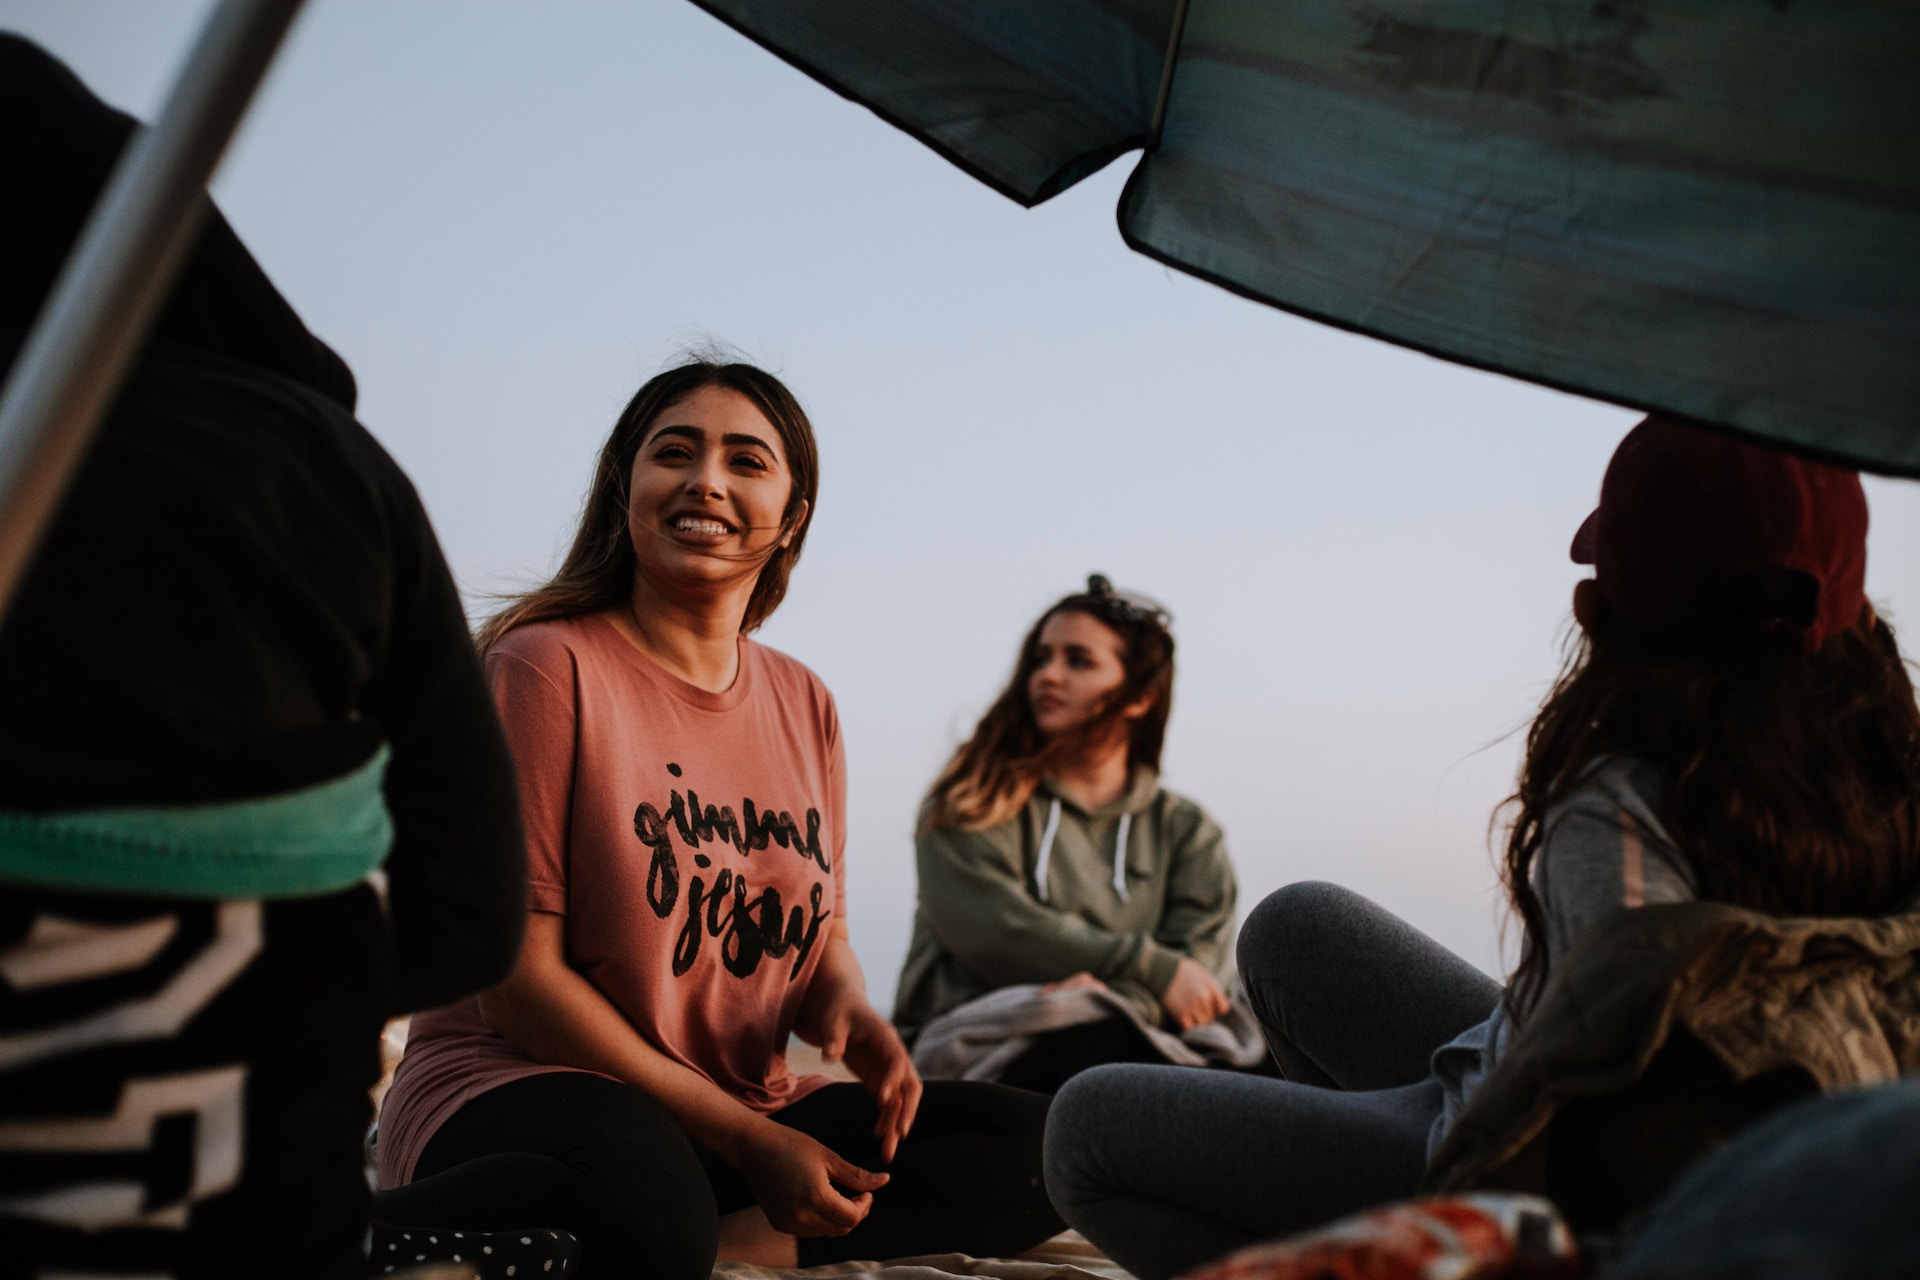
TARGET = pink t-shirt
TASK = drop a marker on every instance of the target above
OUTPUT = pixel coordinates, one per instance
(694, 842)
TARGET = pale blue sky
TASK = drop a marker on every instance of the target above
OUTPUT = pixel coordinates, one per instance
(506, 215)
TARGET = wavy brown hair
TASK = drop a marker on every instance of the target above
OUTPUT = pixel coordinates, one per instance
(598, 571)
(996, 770)
(1791, 782)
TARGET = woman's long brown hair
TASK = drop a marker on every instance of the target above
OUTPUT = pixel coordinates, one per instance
(598, 571)
(1791, 782)
(994, 773)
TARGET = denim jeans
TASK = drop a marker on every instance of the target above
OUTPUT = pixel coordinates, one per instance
(1825, 1190)
(1169, 1167)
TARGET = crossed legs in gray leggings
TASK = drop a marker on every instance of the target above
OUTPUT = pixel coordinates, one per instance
(1167, 1167)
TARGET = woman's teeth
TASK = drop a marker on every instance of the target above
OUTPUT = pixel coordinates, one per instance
(687, 524)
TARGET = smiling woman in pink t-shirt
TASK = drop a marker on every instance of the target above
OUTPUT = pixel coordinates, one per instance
(685, 792)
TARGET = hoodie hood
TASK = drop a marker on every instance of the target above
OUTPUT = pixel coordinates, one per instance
(58, 146)
(1141, 789)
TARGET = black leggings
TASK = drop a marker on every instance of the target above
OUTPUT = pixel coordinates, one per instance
(1057, 1056)
(611, 1165)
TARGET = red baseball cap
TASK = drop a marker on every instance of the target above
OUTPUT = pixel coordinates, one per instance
(1686, 513)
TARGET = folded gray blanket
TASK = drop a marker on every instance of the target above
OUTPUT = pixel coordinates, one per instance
(977, 1040)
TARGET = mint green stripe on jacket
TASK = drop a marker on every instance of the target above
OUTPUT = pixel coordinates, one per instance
(296, 844)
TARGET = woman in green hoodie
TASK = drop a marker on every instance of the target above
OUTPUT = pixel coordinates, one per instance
(1049, 854)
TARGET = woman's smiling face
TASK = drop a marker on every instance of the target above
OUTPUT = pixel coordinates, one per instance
(708, 491)
(1076, 666)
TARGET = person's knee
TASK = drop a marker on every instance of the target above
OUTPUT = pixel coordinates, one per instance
(676, 1228)
(1061, 1146)
(972, 1106)
(687, 1253)
(645, 1194)
(1303, 916)
(1087, 1109)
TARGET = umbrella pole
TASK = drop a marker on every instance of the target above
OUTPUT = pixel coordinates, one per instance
(1174, 37)
(119, 273)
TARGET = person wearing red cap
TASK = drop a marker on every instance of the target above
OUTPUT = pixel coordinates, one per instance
(1734, 724)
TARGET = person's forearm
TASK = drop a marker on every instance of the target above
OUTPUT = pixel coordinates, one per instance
(839, 969)
(1204, 934)
(1198, 914)
(557, 1016)
(839, 966)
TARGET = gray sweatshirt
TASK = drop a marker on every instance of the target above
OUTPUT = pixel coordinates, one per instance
(994, 912)
(1603, 849)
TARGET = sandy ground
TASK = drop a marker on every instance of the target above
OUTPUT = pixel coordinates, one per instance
(804, 1060)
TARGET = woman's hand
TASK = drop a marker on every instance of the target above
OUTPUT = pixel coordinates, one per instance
(837, 1017)
(875, 1053)
(798, 1183)
(1193, 998)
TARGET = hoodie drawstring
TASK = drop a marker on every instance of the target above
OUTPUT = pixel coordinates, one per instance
(1046, 849)
(1052, 829)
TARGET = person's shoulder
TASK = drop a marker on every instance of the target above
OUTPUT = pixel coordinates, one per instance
(1177, 806)
(301, 444)
(274, 437)
(1610, 816)
(1006, 836)
(1609, 786)
(1623, 776)
(555, 648)
(1020, 827)
(780, 665)
(1183, 816)
(786, 674)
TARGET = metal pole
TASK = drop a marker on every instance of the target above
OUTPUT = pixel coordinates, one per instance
(1174, 37)
(119, 273)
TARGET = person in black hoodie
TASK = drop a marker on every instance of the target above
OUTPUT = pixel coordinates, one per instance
(254, 799)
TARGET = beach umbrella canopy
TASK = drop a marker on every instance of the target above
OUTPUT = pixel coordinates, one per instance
(1707, 207)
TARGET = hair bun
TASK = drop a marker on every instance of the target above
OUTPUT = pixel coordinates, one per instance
(1098, 584)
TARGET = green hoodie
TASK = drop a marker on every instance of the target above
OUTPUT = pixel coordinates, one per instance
(984, 922)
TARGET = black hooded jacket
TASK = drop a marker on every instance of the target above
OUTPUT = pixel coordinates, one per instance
(241, 595)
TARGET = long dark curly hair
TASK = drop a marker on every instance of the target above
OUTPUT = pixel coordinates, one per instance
(1791, 781)
(994, 773)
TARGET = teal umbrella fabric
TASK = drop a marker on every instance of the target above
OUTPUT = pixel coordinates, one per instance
(1706, 207)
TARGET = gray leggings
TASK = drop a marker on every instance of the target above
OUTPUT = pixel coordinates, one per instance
(1168, 1167)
